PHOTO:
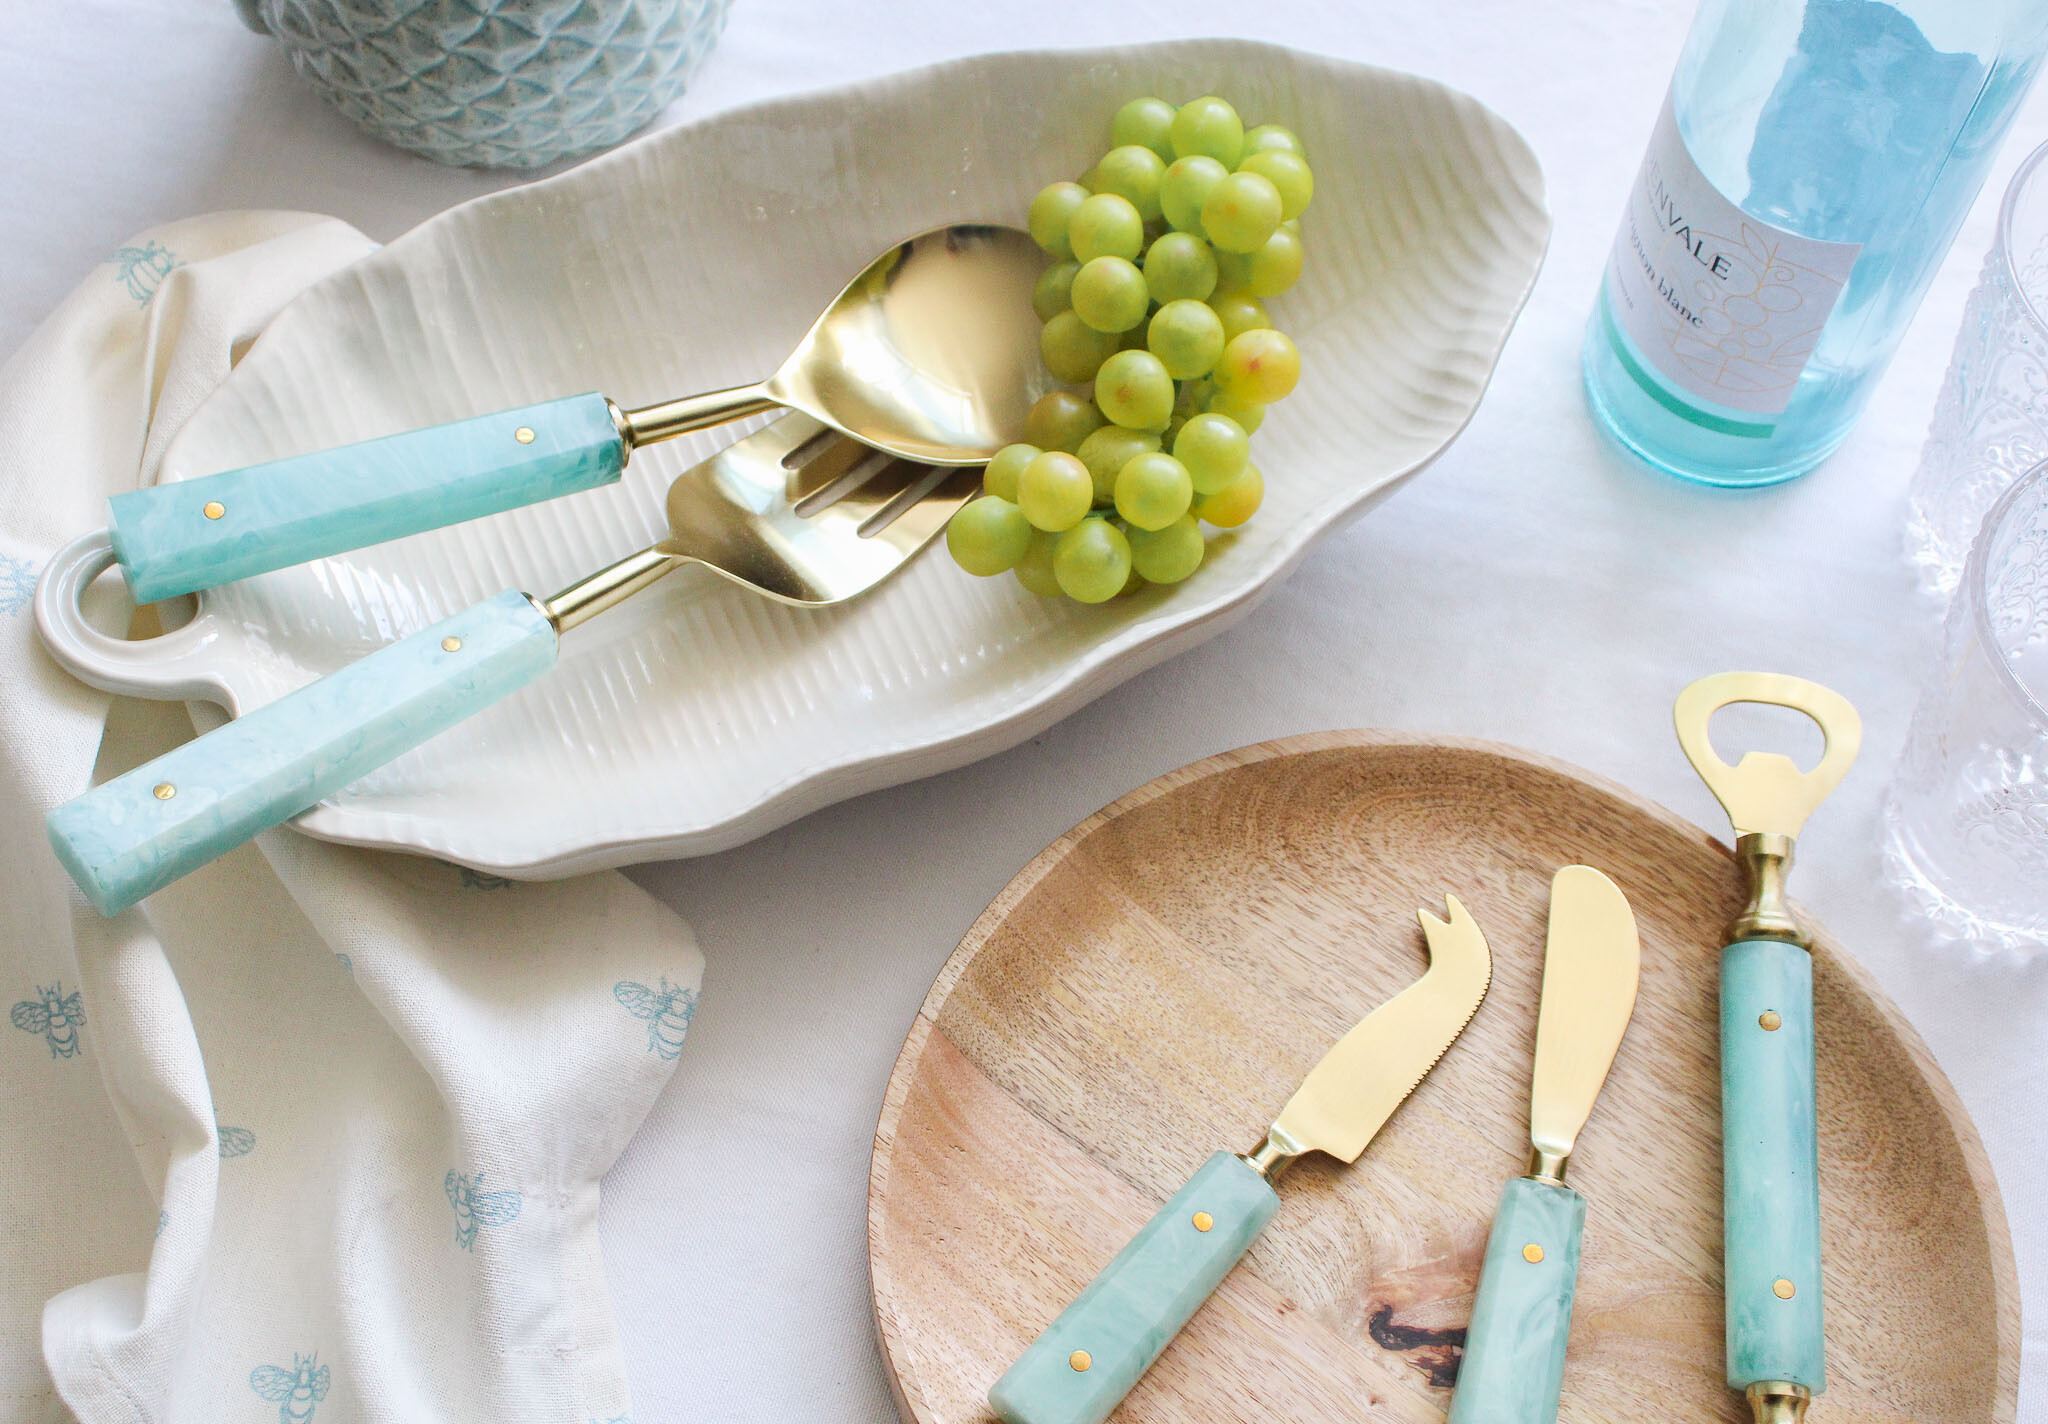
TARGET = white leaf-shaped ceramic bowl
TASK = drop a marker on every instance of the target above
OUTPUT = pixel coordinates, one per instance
(698, 716)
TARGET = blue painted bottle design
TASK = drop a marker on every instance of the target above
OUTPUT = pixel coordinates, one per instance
(294, 1391)
(475, 1207)
(143, 269)
(668, 1011)
(17, 584)
(235, 1141)
(56, 1015)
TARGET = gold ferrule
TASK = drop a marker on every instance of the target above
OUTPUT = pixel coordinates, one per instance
(1274, 1155)
(622, 425)
(679, 417)
(1777, 1402)
(1766, 857)
(1547, 1166)
(584, 600)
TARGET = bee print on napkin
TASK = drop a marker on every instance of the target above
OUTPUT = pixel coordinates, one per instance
(56, 1015)
(668, 1011)
(17, 584)
(475, 1207)
(143, 269)
(296, 1390)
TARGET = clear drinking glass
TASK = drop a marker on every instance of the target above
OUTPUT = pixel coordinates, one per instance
(1991, 421)
(1966, 818)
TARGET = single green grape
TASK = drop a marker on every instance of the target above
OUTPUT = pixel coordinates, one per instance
(1213, 449)
(1168, 555)
(1072, 349)
(1271, 138)
(1187, 337)
(1034, 570)
(1148, 121)
(1052, 293)
(1239, 312)
(1260, 366)
(1274, 267)
(988, 536)
(1092, 561)
(1235, 502)
(1060, 420)
(1051, 212)
(1290, 176)
(1110, 294)
(1000, 476)
(1133, 389)
(1054, 491)
(1239, 214)
(1106, 451)
(1132, 171)
(1210, 127)
(1106, 225)
(1153, 490)
(1248, 415)
(1185, 187)
(1177, 265)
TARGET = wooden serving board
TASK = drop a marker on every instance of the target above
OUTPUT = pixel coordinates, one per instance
(1153, 985)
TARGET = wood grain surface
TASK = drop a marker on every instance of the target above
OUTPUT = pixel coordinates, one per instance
(1152, 987)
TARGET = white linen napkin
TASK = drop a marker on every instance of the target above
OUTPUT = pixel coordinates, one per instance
(316, 1130)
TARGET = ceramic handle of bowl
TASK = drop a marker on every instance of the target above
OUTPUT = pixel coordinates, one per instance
(1770, 1165)
(193, 534)
(1513, 1368)
(137, 833)
(1088, 1359)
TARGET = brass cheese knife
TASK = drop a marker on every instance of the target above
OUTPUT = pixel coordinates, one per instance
(1514, 1349)
(1089, 1358)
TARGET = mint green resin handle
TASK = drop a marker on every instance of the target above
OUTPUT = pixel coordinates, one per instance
(1770, 1163)
(309, 506)
(139, 832)
(1513, 1368)
(1141, 1300)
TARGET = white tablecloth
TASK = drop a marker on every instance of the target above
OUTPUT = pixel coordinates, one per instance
(1534, 587)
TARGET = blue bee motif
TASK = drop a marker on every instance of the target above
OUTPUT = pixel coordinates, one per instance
(17, 583)
(235, 1141)
(482, 880)
(57, 1017)
(143, 269)
(668, 1011)
(296, 1390)
(163, 1219)
(348, 966)
(475, 1207)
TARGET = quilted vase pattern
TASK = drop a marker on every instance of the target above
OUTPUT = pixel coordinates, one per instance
(495, 83)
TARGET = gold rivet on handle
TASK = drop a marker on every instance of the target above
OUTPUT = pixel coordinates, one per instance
(1769, 1021)
(165, 791)
(1532, 1253)
(524, 435)
(1080, 1360)
(214, 509)
(1783, 1289)
(451, 645)
(1203, 1221)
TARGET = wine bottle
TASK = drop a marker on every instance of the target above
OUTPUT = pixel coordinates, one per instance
(1809, 168)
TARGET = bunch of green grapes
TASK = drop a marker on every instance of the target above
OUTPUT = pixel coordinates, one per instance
(1164, 255)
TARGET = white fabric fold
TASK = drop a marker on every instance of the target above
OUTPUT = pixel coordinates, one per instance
(316, 1129)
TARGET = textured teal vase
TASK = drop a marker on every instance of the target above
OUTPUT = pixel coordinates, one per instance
(495, 83)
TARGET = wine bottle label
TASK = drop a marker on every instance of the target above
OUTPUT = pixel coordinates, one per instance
(1722, 304)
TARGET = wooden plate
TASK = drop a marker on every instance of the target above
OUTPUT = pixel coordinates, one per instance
(1151, 987)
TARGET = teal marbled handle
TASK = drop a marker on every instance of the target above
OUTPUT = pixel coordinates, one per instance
(1770, 1165)
(142, 830)
(309, 506)
(1088, 1359)
(1513, 1368)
